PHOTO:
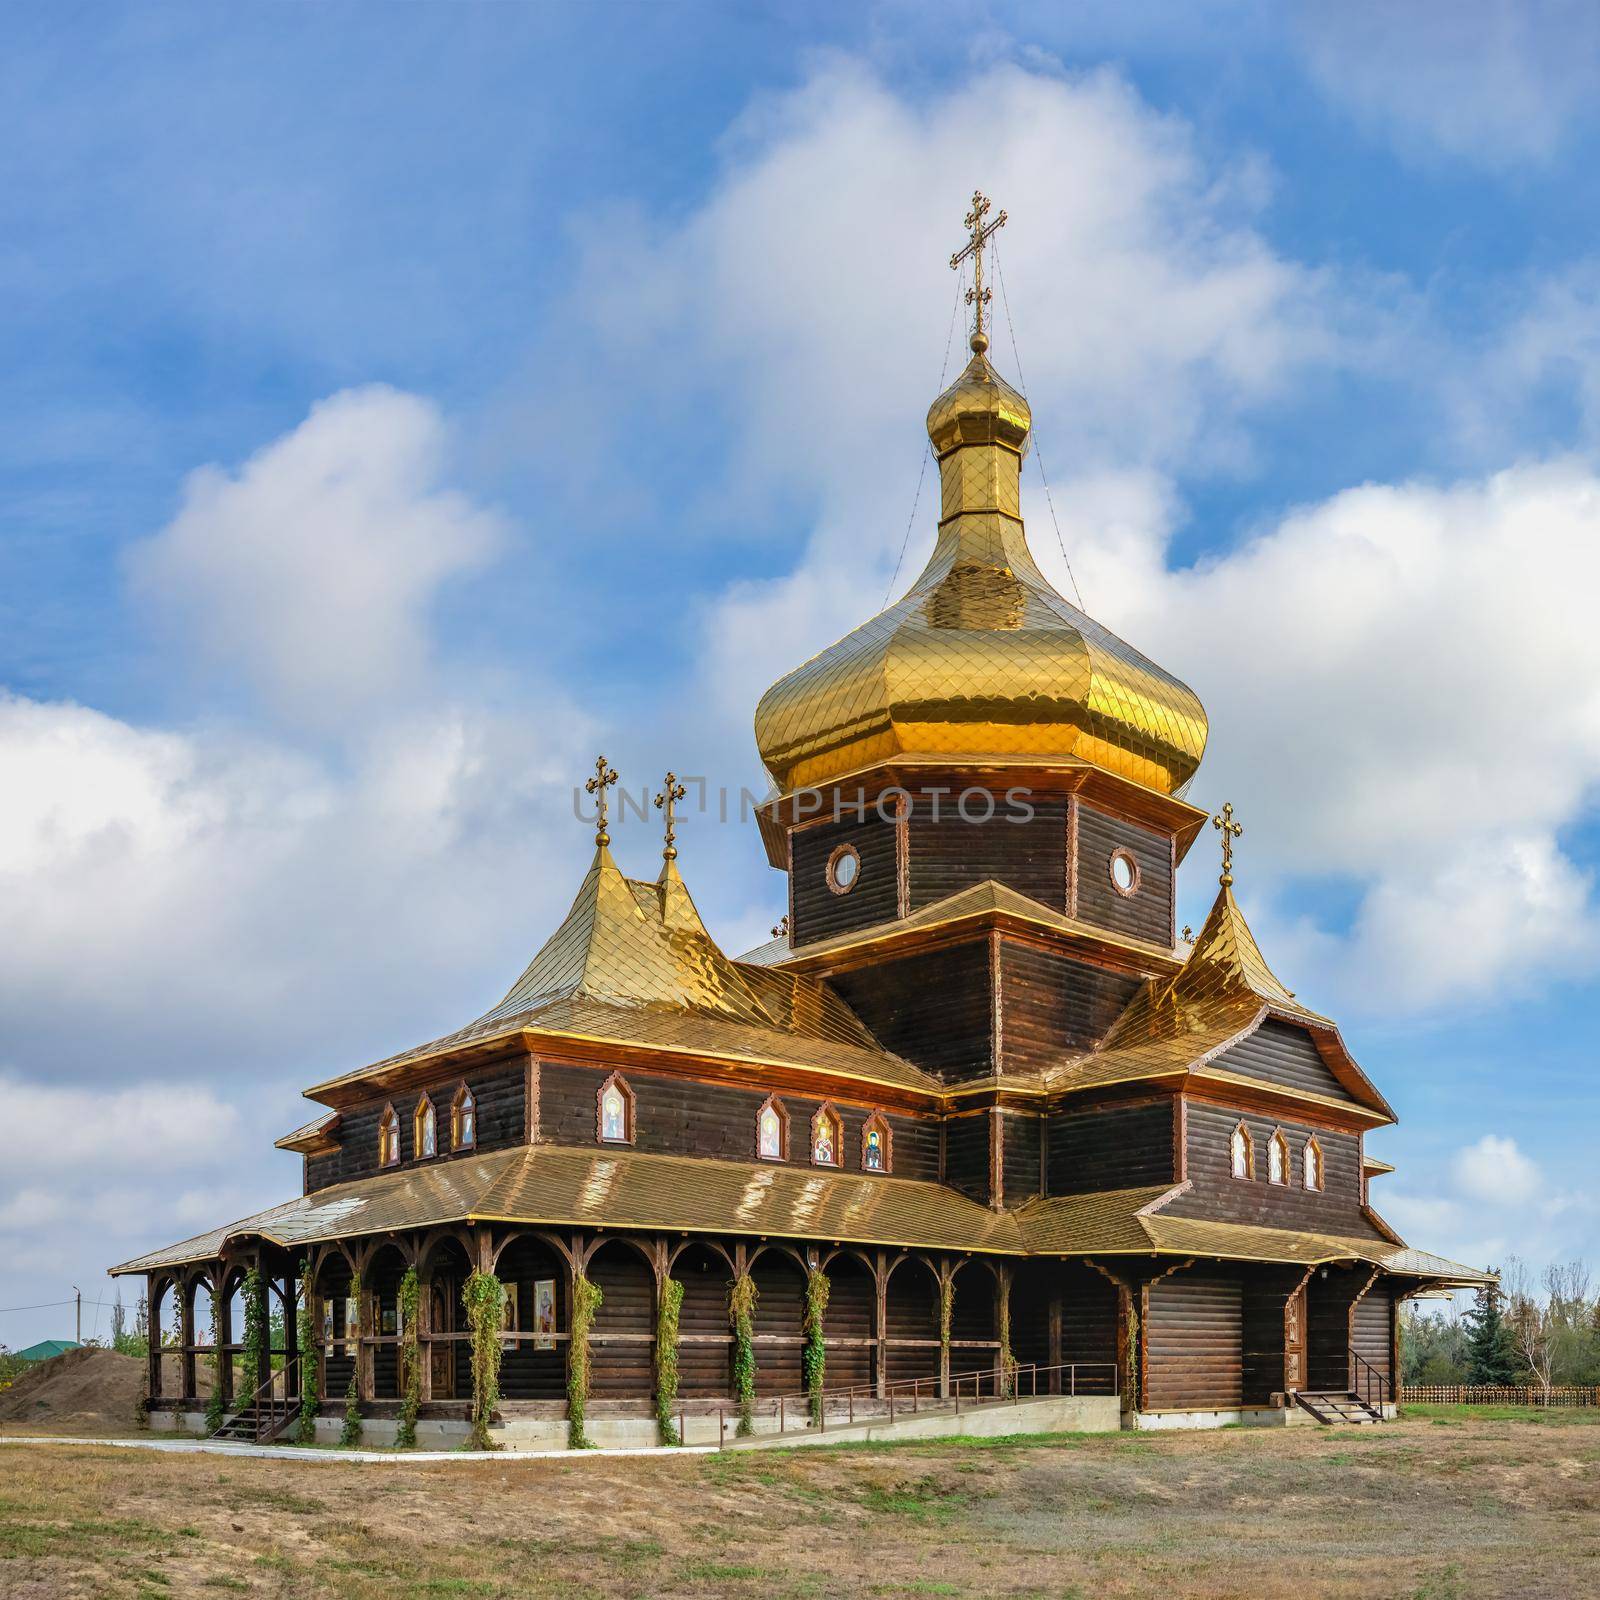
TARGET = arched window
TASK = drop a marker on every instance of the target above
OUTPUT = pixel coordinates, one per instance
(1277, 1158)
(1241, 1155)
(389, 1138)
(614, 1106)
(772, 1130)
(825, 1144)
(424, 1130)
(1311, 1164)
(875, 1144)
(463, 1120)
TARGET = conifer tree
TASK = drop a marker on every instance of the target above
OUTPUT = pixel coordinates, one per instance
(1491, 1358)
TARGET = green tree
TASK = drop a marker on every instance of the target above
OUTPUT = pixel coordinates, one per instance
(1491, 1354)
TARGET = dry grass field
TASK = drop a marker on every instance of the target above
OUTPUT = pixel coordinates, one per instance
(1439, 1505)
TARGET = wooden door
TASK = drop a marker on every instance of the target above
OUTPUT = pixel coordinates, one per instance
(1294, 1340)
(442, 1354)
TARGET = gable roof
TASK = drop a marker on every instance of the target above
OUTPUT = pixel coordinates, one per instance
(1222, 993)
(633, 964)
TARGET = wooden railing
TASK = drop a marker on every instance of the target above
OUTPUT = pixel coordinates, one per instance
(267, 1410)
(913, 1396)
(1470, 1394)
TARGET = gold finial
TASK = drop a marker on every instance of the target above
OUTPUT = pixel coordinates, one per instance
(780, 929)
(1230, 831)
(978, 296)
(1188, 934)
(602, 780)
(666, 803)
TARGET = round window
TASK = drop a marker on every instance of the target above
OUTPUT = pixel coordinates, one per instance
(844, 868)
(1124, 873)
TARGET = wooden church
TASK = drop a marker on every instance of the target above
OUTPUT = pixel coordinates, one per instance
(977, 1087)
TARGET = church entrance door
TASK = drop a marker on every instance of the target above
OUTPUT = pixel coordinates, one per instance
(442, 1355)
(1294, 1340)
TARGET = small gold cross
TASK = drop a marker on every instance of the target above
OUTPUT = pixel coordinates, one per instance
(667, 803)
(602, 780)
(1230, 831)
(977, 296)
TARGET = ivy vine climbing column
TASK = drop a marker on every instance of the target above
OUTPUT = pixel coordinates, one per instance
(814, 1352)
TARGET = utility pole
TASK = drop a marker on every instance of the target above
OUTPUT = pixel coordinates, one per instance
(79, 1293)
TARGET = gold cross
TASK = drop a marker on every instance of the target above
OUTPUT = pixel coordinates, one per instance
(666, 803)
(602, 780)
(978, 296)
(1230, 830)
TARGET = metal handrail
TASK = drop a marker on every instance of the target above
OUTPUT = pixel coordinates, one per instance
(1367, 1377)
(1008, 1382)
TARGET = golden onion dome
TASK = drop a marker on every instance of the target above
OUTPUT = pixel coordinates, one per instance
(981, 659)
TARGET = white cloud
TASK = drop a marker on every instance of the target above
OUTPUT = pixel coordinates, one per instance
(310, 570)
(1496, 82)
(1494, 1169)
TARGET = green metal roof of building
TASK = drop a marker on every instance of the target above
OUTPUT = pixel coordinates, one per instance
(45, 1349)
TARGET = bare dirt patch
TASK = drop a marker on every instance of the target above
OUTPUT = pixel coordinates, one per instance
(1411, 1509)
(79, 1391)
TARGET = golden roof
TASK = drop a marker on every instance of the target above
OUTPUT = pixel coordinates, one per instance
(1220, 995)
(633, 964)
(562, 1185)
(981, 658)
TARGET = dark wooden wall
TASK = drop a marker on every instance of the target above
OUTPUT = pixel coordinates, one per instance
(947, 853)
(1217, 1194)
(1266, 1292)
(1147, 914)
(1052, 1005)
(1280, 1053)
(935, 1008)
(1022, 1157)
(1372, 1328)
(680, 1116)
(526, 1373)
(1330, 1293)
(911, 1311)
(705, 1351)
(1110, 1147)
(1194, 1333)
(966, 1154)
(852, 1315)
(501, 1094)
(622, 1368)
(816, 912)
(780, 1305)
(1089, 1325)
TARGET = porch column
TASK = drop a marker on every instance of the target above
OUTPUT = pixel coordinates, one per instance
(1055, 1313)
(425, 1333)
(152, 1317)
(947, 1279)
(187, 1380)
(292, 1290)
(220, 1353)
(880, 1329)
(1002, 1323)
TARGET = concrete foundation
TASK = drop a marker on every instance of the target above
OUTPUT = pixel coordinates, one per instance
(1053, 1414)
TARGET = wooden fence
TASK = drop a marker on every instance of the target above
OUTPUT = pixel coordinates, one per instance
(1458, 1394)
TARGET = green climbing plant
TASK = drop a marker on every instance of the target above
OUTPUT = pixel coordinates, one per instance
(814, 1353)
(742, 1315)
(586, 1298)
(350, 1433)
(1008, 1362)
(257, 1359)
(484, 1297)
(667, 1361)
(216, 1403)
(1131, 1402)
(310, 1364)
(410, 1360)
(947, 1311)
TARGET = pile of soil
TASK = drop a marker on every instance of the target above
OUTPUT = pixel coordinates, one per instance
(78, 1391)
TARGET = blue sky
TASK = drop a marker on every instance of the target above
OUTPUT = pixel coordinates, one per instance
(399, 403)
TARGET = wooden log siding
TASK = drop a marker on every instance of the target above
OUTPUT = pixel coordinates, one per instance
(1372, 1329)
(967, 1162)
(622, 1344)
(1330, 1294)
(911, 1321)
(780, 1305)
(685, 1117)
(705, 1348)
(947, 853)
(935, 1008)
(500, 1091)
(1035, 1309)
(1145, 914)
(1053, 1004)
(1109, 1147)
(815, 910)
(850, 1325)
(1022, 1157)
(1218, 1195)
(1280, 1053)
(1194, 1333)
(1266, 1294)
(1089, 1323)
